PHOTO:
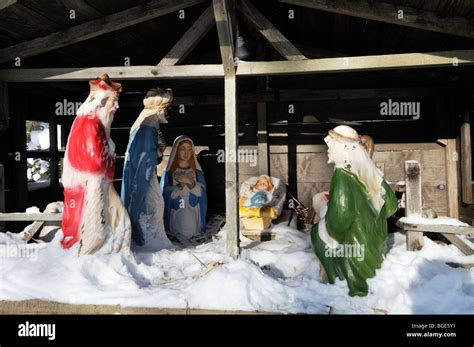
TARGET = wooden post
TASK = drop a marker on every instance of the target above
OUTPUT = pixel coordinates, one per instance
(413, 204)
(263, 167)
(466, 160)
(224, 31)
(452, 178)
(232, 169)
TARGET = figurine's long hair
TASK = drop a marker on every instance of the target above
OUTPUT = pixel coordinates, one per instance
(353, 156)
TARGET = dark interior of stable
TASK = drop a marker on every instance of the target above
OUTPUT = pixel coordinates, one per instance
(353, 98)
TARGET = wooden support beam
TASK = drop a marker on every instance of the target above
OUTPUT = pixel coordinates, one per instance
(413, 202)
(394, 14)
(269, 68)
(28, 235)
(232, 168)
(6, 3)
(466, 160)
(452, 156)
(439, 228)
(262, 137)
(190, 39)
(224, 31)
(361, 63)
(269, 31)
(29, 217)
(94, 28)
(459, 243)
(226, 43)
(115, 72)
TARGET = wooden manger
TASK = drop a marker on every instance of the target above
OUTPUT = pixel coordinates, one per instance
(414, 230)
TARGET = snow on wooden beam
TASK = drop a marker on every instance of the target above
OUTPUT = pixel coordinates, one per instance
(94, 28)
(269, 31)
(393, 14)
(190, 38)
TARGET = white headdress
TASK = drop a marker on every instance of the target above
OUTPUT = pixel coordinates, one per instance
(349, 152)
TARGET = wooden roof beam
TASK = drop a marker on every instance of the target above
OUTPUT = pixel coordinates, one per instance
(269, 31)
(264, 68)
(226, 36)
(360, 63)
(115, 72)
(6, 3)
(190, 39)
(94, 28)
(394, 14)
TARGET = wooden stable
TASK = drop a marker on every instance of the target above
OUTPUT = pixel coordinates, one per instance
(313, 65)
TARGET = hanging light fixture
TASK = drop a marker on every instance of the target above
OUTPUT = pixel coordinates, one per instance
(241, 51)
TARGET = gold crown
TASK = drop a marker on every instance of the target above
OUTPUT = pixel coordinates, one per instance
(104, 83)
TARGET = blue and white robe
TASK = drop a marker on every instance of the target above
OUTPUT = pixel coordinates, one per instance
(185, 209)
(141, 192)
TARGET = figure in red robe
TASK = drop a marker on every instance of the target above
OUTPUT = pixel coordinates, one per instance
(93, 213)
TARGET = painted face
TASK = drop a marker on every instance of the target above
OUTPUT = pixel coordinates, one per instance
(261, 184)
(112, 104)
(330, 143)
(163, 116)
(185, 151)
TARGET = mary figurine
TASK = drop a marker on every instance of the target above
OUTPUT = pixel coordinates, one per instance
(184, 192)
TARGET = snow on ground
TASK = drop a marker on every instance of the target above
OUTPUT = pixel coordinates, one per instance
(275, 276)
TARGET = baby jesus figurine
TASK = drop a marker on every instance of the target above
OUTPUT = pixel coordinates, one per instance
(260, 194)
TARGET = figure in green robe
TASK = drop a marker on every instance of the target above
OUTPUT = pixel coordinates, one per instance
(350, 238)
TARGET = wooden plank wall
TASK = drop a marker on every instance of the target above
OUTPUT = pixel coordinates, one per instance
(314, 173)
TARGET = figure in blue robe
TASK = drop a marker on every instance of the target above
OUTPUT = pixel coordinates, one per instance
(184, 192)
(141, 192)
